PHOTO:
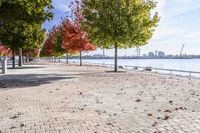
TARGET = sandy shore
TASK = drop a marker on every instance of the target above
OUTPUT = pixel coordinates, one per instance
(60, 98)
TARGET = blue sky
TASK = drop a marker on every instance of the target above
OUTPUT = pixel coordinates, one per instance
(180, 23)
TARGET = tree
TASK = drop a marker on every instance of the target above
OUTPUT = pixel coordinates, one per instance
(119, 23)
(30, 11)
(22, 35)
(12, 36)
(22, 21)
(58, 41)
(74, 40)
(68, 36)
(34, 41)
(53, 43)
(48, 47)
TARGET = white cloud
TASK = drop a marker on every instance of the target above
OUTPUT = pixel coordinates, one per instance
(179, 24)
(182, 7)
(61, 5)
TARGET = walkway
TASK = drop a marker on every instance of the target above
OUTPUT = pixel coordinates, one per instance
(55, 98)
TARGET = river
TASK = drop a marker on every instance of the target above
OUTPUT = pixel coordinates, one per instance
(177, 64)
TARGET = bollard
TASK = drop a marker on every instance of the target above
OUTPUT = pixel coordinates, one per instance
(4, 66)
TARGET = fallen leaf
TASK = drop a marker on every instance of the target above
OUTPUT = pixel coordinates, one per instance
(138, 100)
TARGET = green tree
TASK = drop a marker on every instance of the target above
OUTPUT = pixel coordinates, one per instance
(58, 45)
(12, 36)
(31, 11)
(53, 43)
(1, 1)
(34, 40)
(21, 22)
(119, 23)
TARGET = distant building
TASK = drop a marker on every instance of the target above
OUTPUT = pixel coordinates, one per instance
(156, 53)
(144, 55)
(161, 54)
(151, 54)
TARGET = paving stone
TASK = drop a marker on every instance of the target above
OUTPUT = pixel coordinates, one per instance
(69, 99)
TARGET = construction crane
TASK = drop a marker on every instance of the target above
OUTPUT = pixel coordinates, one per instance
(181, 52)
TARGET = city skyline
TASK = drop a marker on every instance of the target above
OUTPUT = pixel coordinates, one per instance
(179, 24)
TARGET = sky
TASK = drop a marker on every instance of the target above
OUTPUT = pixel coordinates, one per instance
(179, 24)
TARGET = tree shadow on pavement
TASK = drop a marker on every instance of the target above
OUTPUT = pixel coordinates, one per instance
(29, 80)
(119, 71)
(32, 66)
(27, 67)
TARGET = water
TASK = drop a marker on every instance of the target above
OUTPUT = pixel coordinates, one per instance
(177, 64)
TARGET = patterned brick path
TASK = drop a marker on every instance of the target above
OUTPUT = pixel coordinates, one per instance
(68, 99)
(185, 122)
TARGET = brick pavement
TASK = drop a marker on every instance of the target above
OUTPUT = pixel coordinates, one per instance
(184, 122)
(68, 99)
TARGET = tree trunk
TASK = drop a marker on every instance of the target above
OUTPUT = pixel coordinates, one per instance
(81, 64)
(67, 58)
(20, 57)
(23, 60)
(116, 65)
(13, 61)
(26, 58)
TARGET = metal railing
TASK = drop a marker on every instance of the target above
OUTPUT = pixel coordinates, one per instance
(129, 67)
(171, 71)
(168, 71)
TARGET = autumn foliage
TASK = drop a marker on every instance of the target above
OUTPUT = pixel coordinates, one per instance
(68, 35)
(4, 51)
(74, 40)
(48, 48)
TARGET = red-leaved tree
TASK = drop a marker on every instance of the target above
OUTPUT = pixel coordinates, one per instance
(68, 37)
(74, 39)
(48, 48)
(53, 43)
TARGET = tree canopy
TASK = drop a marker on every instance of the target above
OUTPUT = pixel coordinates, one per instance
(21, 23)
(31, 11)
(53, 43)
(68, 36)
(119, 23)
(74, 39)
